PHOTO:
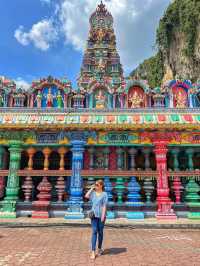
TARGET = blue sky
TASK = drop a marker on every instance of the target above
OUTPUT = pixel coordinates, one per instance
(47, 37)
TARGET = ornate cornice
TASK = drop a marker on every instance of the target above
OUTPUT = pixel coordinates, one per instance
(105, 119)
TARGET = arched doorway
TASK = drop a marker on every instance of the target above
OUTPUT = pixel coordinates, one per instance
(54, 161)
(24, 160)
(68, 160)
(38, 161)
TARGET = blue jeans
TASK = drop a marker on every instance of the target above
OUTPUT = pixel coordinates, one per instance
(97, 229)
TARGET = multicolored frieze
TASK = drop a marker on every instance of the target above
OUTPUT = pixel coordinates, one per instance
(55, 140)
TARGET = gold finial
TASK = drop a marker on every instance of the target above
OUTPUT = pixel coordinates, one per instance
(168, 75)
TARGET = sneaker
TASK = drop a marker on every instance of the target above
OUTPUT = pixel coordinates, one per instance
(100, 252)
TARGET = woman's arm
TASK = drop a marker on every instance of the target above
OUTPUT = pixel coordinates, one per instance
(103, 216)
(104, 207)
(87, 195)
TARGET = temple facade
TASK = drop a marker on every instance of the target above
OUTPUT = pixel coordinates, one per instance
(55, 141)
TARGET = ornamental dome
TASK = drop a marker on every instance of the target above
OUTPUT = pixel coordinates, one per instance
(101, 18)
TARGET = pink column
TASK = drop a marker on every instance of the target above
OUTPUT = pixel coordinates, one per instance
(178, 188)
(164, 210)
(41, 206)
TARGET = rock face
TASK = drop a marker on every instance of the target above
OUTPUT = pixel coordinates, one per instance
(178, 43)
(186, 67)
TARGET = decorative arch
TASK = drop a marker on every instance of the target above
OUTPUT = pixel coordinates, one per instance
(194, 93)
(179, 93)
(100, 95)
(50, 92)
(4, 97)
(7, 87)
(137, 94)
(94, 84)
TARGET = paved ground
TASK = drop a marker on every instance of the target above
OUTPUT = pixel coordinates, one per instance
(70, 246)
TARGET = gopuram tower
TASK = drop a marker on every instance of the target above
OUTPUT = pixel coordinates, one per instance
(101, 74)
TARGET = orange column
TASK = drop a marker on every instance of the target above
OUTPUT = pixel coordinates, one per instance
(62, 152)
(46, 151)
(31, 151)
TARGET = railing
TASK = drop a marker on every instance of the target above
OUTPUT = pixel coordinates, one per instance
(106, 110)
(99, 172)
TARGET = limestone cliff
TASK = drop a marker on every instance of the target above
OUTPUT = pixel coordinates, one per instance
(178, 44)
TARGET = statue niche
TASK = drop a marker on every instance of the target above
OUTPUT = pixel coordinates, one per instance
(100, 97)
(136, 97)
(180, 97)
(50, 96)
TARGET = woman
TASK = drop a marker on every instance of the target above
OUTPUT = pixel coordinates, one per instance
(99, 200)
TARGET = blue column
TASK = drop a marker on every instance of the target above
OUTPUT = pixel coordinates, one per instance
(108, 188)
(110, 101)
(75, 210)
(91, 100)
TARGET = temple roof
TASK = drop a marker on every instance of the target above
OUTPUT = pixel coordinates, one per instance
(101, 13)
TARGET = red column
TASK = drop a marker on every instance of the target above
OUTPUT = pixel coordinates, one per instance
(165, 210)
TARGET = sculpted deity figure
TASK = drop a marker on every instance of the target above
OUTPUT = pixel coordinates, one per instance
(136, 100)
(101, 65)
(100, 100)
(180, 100)
(49, 98)
(59, 99)
(39, 99)
(100, 35)
(1, 101)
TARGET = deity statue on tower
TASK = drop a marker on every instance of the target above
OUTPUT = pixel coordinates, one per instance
(100, 100)
(100, 35)
(136, 100)
(102, 65)
(49, 98)
(39, 99)
(59, 99)
(180, 100)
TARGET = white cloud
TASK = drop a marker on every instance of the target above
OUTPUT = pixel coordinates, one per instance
(135, 25)
(42, 35)
(21, 83)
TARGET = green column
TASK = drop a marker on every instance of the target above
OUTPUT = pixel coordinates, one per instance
(119, 188)
(175, 153)
(2, 178)
(8, 209)
(2, 151)
(189, 153)
(192, 199)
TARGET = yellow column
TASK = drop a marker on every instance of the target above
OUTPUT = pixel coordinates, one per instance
(31, 151)
(62, 152)
(46, 151)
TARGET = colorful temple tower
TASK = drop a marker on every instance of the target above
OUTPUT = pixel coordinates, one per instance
(55, 141)
(101, 76)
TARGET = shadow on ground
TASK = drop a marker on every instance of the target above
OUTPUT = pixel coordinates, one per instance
(114, 251)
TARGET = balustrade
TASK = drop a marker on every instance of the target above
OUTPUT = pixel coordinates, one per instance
(128, 190)
(134, 188)
(149, 188)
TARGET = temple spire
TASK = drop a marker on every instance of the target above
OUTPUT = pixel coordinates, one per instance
(101, 61)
